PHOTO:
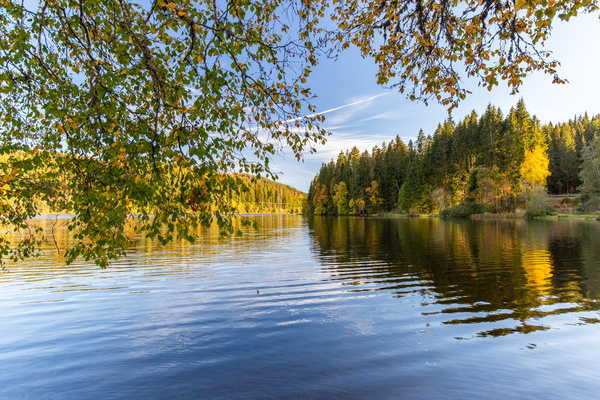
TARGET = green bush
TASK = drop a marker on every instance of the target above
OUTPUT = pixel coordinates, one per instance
(463, 210)
(539, 204)
(533, 212)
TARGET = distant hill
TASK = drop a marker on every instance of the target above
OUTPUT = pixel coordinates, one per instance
(247, 193)
(267, 196)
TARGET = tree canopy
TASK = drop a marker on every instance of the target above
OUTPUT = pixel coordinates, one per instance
(117, 107)
(427, 47)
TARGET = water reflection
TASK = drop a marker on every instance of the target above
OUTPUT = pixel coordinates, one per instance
(507, 276)
(345, 308)
(146, 259)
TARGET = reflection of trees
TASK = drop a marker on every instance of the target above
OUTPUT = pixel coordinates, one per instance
(172, 259)
(493, 270)
(579, 241)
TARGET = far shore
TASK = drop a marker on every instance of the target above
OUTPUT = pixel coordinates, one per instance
(520, 215)
(52, 215)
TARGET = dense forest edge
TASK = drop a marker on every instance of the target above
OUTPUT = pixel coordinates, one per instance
(482, 164)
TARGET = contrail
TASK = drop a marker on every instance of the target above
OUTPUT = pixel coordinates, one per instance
(351, 104)
(341, 107)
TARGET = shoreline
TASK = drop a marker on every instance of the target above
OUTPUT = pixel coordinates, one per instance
(65, 216)
(561, 216)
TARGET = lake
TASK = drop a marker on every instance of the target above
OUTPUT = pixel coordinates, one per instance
(314, 308)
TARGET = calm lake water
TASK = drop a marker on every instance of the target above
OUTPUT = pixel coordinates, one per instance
(316, 308)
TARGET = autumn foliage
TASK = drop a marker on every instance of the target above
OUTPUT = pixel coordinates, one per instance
(152, 106)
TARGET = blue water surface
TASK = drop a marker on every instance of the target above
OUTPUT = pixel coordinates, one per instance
(314, 308)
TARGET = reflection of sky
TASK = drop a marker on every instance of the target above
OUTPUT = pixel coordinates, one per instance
(360, 113)
(279, 313)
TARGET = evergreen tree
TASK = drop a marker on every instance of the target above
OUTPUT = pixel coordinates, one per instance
(590, 177)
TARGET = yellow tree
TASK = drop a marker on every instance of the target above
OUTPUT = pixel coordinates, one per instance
(321, 199)
(534, 169)
(373, 196)
(359, 206)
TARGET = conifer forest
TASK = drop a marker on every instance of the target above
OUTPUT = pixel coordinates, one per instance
(492, 162)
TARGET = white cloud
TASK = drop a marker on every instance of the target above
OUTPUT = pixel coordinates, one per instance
(342, 141)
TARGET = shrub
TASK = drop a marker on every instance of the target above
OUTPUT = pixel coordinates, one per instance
(534, 212)
(539, 204)
(588, 204)
(463, 210)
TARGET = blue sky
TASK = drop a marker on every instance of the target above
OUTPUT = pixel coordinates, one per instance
(360, 113)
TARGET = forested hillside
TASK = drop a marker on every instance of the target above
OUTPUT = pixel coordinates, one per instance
(494, 160)
(246, 193)
(267, 196)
